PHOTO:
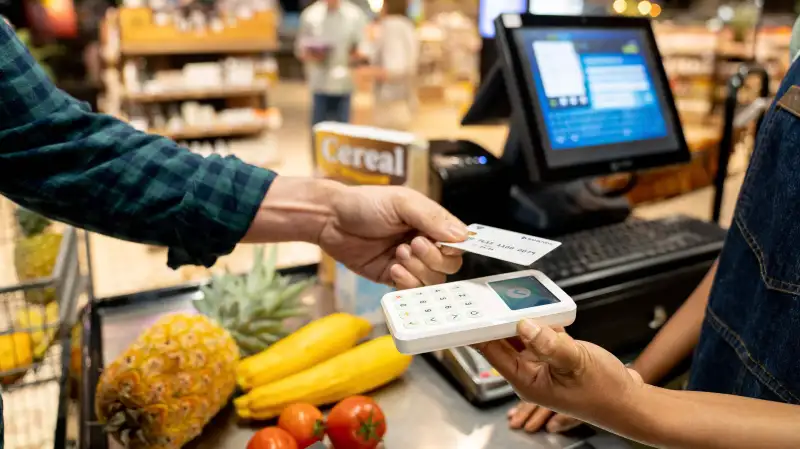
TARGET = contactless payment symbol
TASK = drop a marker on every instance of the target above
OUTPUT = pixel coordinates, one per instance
(518, 293)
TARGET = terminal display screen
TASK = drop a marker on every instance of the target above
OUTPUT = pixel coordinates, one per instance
(523, 293)
(596, 89)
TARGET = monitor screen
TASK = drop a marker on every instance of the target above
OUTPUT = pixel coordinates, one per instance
(523, 293)
(597, 93)
(490, 9)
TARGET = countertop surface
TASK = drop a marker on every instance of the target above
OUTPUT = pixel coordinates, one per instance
(423, 410)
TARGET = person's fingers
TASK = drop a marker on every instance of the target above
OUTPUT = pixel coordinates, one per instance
(501, 355)
(428, 217)
(538, 420)
(402, 279)
(450, 251)
(433, 258)
(417, 267)
(562, 423)
(520, 414)
(557, 349)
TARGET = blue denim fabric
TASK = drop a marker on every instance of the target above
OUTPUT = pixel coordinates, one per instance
(330, 108)
(750, 342)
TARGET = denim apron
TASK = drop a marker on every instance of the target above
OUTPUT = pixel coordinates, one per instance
(750, 341)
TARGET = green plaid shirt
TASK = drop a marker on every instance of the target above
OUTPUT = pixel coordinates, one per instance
(96, 172)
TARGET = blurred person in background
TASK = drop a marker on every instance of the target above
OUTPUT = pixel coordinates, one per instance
(329, 42)
(395, 57)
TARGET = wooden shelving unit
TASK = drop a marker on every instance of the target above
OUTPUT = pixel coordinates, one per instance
(149, 81)
(197, 94)
(212, 132)
(193, 48)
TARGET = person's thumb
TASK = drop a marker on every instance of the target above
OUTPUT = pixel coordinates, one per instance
(562, 423)
(429, 218)
(557, 349)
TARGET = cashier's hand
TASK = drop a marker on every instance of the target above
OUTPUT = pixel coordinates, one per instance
(388, 234)
(547, 367)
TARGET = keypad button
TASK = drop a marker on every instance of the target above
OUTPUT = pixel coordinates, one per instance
(433, 321)
(461, 296)
(411, 324)
(474, 314)
(469, 304)
(428, 311)
(398, 297)
(403, 305)
(457, 288)
(438, 290)
(448, 308)
(454, 316)
(404, 315)
(416, 296)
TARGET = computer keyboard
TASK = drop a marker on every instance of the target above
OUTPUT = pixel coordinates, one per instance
(629, 243)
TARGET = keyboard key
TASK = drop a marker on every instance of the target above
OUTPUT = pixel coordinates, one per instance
(433, 321)
(404, 305)
(424, 302)
(448, 308)
(428, 311)
(411, 324)
(474, 314)
(452, 317)
(469, 304)
(404, 315)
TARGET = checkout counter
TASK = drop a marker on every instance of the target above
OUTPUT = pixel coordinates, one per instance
(583, 97)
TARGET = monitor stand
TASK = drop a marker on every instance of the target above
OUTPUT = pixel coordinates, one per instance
(551, 209)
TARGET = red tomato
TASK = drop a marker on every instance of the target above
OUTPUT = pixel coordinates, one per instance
(272, 438)
(356, 423)
(304, 422)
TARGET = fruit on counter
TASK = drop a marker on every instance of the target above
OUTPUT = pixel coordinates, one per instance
(272, 438)
(16, 352)
(35, 253)
(356, 423)
(253, 307)
(313, 343)
(361, 369)
(304, 422)
(41, 324)
(167, 385)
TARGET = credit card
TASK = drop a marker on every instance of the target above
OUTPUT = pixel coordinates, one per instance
(505, 245)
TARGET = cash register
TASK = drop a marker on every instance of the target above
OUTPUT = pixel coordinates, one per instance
(583, 97)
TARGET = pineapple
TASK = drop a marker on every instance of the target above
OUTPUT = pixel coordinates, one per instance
(36, 253)
(181, 371)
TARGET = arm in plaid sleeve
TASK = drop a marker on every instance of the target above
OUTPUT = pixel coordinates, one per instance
(96, 172)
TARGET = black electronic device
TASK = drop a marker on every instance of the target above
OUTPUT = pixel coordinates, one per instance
(589, 96)
(582, 96)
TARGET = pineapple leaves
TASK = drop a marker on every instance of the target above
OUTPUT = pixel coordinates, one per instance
(254, 306)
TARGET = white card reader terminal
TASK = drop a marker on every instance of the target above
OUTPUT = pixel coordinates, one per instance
(462, 313)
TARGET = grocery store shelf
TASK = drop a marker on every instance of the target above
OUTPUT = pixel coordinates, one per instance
(207, 132)
(205, 47)
(196, 94)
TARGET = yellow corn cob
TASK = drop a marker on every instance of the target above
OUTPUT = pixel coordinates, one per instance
(316, 342)
(361, 369)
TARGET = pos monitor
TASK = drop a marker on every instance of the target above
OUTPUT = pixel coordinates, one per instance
(586, 96)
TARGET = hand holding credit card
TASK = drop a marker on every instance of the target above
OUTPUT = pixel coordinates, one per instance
(505, 245)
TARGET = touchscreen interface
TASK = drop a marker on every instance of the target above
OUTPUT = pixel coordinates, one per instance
(523, 293)
(595, 86)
